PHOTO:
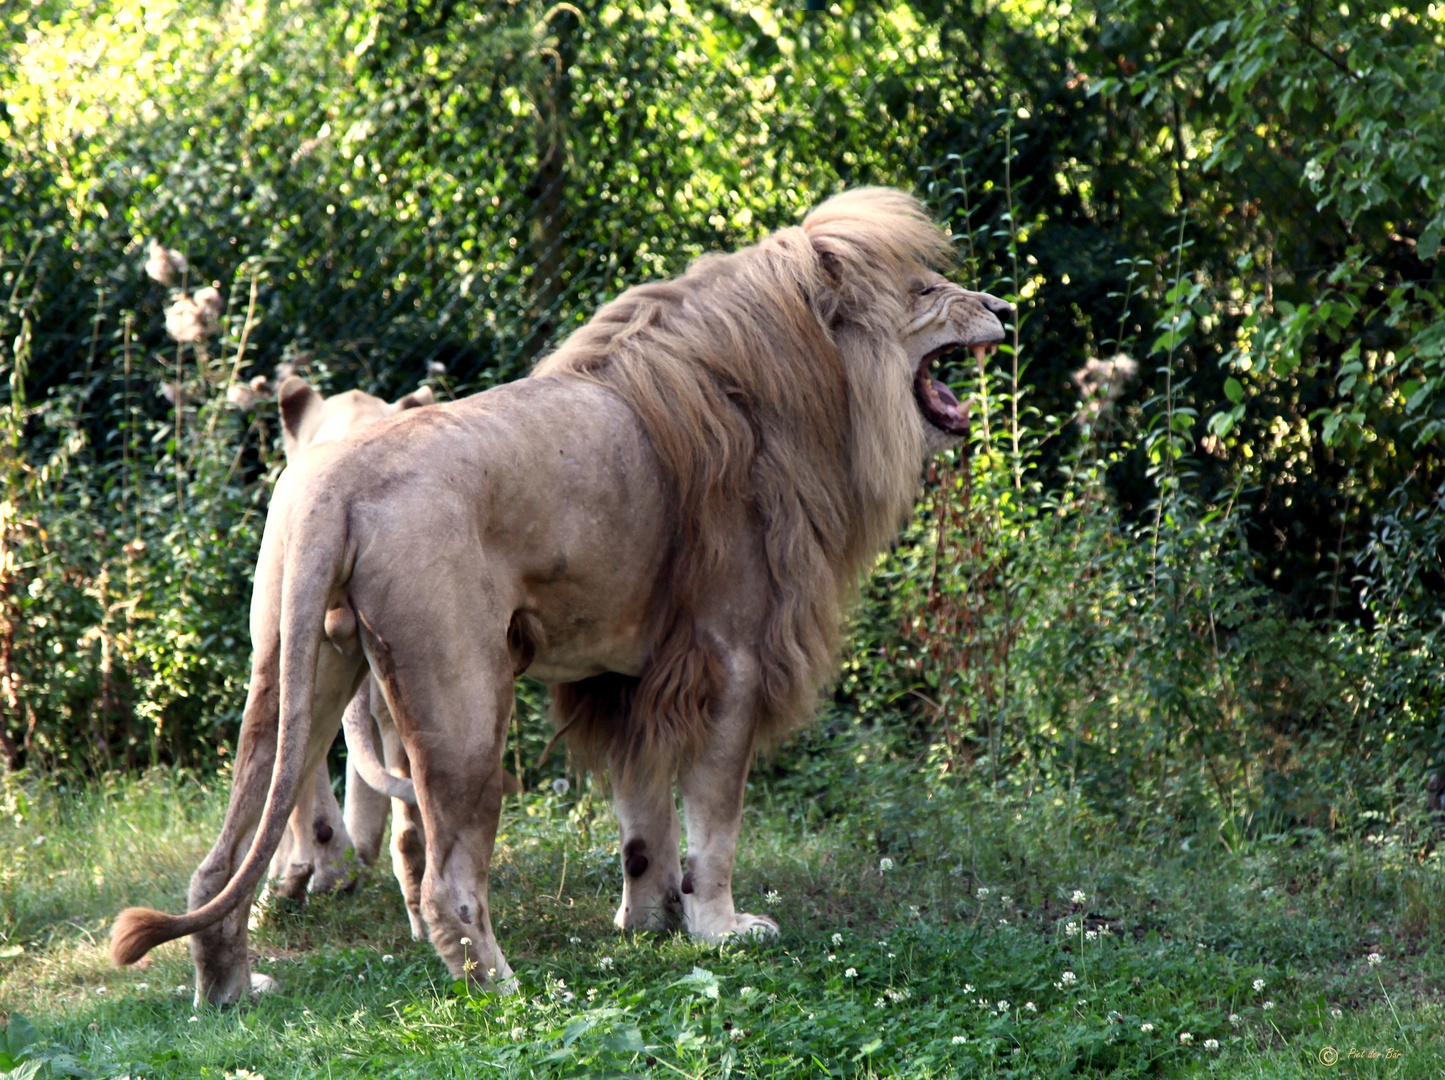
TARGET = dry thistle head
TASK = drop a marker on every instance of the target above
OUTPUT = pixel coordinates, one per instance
(194, 318)
(1102, 382)
(163, 263)
(243, 396)
(174, 393)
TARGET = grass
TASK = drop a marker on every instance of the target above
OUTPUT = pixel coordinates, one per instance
(1012, 936)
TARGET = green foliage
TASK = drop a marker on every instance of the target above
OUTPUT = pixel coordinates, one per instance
(1196, 584)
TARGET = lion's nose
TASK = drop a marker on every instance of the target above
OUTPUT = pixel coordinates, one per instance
(997, 306)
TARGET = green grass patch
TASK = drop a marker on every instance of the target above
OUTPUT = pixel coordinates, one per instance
(930, 929)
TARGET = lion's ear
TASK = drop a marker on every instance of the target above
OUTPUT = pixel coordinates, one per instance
(832, 266)
(300, 411)
(828, 298)
(417, 398)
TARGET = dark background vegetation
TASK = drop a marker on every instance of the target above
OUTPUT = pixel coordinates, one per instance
(1221, 592)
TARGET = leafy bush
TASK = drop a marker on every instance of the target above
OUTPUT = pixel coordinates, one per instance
(1206, 582)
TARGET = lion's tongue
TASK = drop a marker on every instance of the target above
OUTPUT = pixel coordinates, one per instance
(944, 394)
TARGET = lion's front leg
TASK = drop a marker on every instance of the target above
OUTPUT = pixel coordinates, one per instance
(712, 796)
(648, 832)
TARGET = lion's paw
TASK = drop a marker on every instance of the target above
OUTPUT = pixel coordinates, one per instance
(742, 925)
(263, 984)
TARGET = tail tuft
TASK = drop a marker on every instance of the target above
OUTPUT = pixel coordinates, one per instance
(137, 931)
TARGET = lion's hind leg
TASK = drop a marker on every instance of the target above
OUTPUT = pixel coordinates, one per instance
(451, 701)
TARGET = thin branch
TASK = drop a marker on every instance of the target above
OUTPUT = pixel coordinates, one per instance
(1304, 36)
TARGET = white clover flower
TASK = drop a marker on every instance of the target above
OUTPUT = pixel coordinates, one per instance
(1185, 1039)
(1258, 985)
(885, 864)
(959, 1040)
(1091, 935)
(561, 785)
(142, 986)
(772, 898)
(1234, 1020)
(1071, 928)
(1314, 171)
(1029, 1006)
(101, 990)
(592, 994)
(466, 941)
(574, 940)
(745, 991)
(388, 959)
(518, 1033)
(605, 962)
(1002, 921)
(1336, 1013)
(851, 973)
(435, 368)
(832, 958)
(1002, 1006)
(968, 988)
(1069, 978)
(737, 1034)
(1080, 897)
(913, 910)
(837, 939)
(982, 893)
(1374, 959)
(1211, 1044)
(1005, 899)
(878, 1004)
(1146, 1027)
(194, 1020)
(1267, 1006)
(892, 956)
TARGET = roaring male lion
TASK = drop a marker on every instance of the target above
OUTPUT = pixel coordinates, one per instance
(665, 521)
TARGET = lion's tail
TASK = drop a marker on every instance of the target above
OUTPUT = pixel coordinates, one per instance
(310, 570)
(361, 752)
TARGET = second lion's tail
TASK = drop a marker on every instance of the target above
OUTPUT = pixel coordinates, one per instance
(310, 570)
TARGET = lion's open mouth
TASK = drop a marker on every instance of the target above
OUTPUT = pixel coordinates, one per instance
(939, 405)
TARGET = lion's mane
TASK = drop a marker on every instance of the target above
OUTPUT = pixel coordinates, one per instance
(772, 381)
